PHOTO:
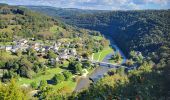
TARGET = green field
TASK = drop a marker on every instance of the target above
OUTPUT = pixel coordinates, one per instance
(50, 73)
(101, 55)
(65, 86)
(97, 37)
(68, 86)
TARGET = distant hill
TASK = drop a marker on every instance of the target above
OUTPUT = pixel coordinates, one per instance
(20, 21)
(65, 13)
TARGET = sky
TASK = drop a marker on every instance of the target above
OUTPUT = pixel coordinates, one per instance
(96, 4)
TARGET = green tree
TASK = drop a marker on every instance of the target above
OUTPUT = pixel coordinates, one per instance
(58, 78)
(67, 75)
(45, 90)
(75, 66)
(78, 68)
(31, 52)
(11, 91)
(43, 85)
(112, 71)
(129, 62)
(34, 85)
(121, 71)
(51, 54)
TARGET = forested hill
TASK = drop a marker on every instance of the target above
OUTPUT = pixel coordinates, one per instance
(65, 13)
(22, 22)
(147, 31)
(143, 30)
(140, 30)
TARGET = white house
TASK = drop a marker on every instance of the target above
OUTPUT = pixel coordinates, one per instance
(57, 59)
(55, 47)
(64, 56)
(8, 48)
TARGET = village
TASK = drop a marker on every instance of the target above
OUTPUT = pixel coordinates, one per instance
(62, 49)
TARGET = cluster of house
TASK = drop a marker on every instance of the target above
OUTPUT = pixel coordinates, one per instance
(23, 45)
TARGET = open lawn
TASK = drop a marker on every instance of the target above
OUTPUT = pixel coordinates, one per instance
(96, 56)
(65, 86)
(50, 73)
(101, 55)
(97, 37)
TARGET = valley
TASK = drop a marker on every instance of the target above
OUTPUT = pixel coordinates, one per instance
(50, 53)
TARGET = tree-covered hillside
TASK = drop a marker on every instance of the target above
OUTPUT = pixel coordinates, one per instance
(22, 22)
(144, 31)
(54, 55)
(65, 13)
(40, 55)
(147, 31)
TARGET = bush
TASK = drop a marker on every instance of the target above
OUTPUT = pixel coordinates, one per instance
(67, 75)
(58, 78)
(121, 71)
(112, 71)
(34, 85)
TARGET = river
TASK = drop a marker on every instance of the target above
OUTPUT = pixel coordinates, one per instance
(99, 72)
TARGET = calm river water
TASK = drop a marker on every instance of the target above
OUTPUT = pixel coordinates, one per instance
(99, 72)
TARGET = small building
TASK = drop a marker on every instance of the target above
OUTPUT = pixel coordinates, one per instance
(55, 47)
(57, 59)
(64, 56)
(8, 48)
(22, 42)
(58, 44)
(42, 49)
(36, 46)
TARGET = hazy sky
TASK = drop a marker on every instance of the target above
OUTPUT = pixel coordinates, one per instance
(96, 4)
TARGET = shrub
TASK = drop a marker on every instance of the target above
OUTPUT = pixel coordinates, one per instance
(67, 75)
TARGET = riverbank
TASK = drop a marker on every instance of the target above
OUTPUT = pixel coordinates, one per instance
(97, 73)
(117, 49)
(84, 82)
